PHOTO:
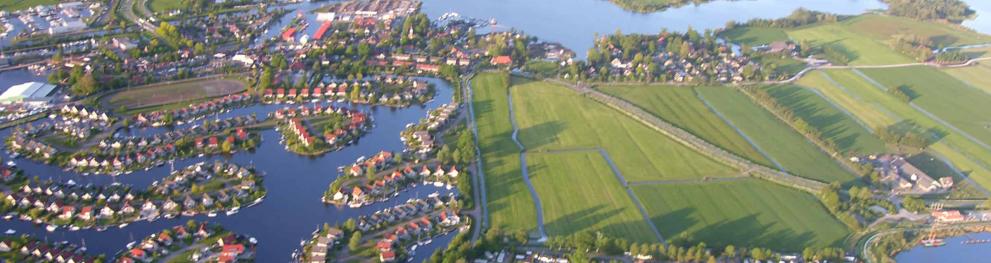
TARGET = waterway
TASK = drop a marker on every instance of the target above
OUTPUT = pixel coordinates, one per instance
(292, 208)
(953, 251)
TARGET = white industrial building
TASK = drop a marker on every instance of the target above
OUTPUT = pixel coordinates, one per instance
(28, 93)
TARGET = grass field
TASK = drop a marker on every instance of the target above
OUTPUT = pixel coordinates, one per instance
(835, 125)
(14, 5)
(861, 49)
(681, 107)
(156, 95)
(164, 5)
(951, 100)
(879, 109)
(976, 76)
(883, 28)
(553, 117)
(785, 145)
(755, 36)
(509, 203)
(745, 213)
(579, 192)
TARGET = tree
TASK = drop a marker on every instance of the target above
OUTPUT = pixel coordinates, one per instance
(86, 85)
(729, 251)
(355, 241)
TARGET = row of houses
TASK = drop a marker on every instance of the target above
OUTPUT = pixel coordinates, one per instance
(134, 143)
(419, 138)
(78, 113)
(159, 118)
(903, 177)
(32, 148)
(393, 94)
(412, 230)
(227, 248)
(366, 192)
(39, 251)
(391, 215)
(322, 243)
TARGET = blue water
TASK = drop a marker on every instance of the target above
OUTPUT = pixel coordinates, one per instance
(953, 251)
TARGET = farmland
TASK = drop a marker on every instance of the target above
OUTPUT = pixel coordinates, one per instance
(860, 49)
(14, 5)
(158, 95)
(966, 110)
(755, 36)
(784, 145)
(164, 5)
(579, 192)
(552, 117)
(834, 124)
(681, 107)
(976, 76)
(509, 204)
(877, 109)
(747, 212)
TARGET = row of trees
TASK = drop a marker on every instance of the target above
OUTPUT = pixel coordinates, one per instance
(952, 10)
(797, 18)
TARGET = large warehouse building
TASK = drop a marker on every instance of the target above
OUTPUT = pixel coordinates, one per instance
(30, 93)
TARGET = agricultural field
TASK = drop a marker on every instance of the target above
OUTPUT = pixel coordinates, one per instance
(834, 124)
(746, 212)
(860, 49)
(552, 117)
(681, 107)
(784, 145)
(966, 109)
(878, 109)
(579, 192)
(14, 5)
(509, 201)
(975, 76)
(755, 36)
(157, 95)
(883, 28)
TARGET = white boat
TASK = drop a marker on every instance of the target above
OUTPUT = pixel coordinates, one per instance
(74, 228)
(435, 194)
(122, 225)
(438, 184)
(233, 211)
(130, 245)
(8, 216)
(10, 232)
(212, 214)
(11, 163)
(253, 240)
(51, 228)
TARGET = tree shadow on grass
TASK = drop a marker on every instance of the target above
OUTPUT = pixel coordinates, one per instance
(581, 220)
(542, 134)
(749, 232)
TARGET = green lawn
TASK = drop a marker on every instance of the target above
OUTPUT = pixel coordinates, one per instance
(744, 213)
(509, 202)
(953, 101)
(754, 36)
(681, 107)
(883, 28)
(783, 144)
(14, 5)
(164, 5)
(579, 192)
(835, 125)
(554, 117)
(879, 109)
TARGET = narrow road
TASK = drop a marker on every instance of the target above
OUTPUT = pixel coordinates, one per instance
(481, 202)
(935, 65)
(526, 174)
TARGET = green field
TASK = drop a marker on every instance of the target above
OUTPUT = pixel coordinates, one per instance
(14, 5)
(177, 94)
(883, 28)
(552, 117)
(951, 100)
(755, 36)
(164, 5)
(509, 202)
(835, 125)
(785, 145)
(879, 109)
(681, 107)
(743, 213)
(861, 49)
(975, 76)
(579, 192)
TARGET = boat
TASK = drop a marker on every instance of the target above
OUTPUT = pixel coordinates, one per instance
(935, 242)
(10, 232)
(122, 225)
(188, 213)
(9, 216)
(11, 163)
(74, 228)
(51, 228)
(435, 194)
(253, 240)
(130, 245)
(438, 184)
(212, 214)
(101, 229)
(232, 211)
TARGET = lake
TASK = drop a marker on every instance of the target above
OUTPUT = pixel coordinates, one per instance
(953, 251)
(575, 23)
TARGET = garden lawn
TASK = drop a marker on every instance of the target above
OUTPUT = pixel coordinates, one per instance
(743, 213)
(509, 203)
(164, 5)
(553, 117)
(681, 107)
(951, 100)
(177, 93)
(579, 192)
(878, 109)
(784, 145)
(835, 125)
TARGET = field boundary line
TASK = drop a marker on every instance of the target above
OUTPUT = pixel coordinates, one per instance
(738, 131)
(693, 142)
(841, 109)
(734, 178)
(845, 90)
(523, 166)
(629, 191)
